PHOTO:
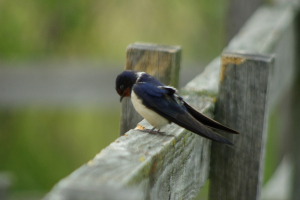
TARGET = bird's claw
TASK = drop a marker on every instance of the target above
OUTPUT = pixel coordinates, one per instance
(152, 131)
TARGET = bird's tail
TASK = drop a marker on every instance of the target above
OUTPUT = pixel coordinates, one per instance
(207, 121)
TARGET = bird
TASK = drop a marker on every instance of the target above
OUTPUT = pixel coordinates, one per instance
(160, 105)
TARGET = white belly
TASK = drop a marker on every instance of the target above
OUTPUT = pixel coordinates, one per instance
(152, 117)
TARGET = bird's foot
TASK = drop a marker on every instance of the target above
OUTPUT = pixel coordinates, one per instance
(152, 131)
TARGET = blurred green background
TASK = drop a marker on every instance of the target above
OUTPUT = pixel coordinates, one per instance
(71, 29)
(42, 142)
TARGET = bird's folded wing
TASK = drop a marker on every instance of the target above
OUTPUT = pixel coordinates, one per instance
(207, 121)
(163, 102)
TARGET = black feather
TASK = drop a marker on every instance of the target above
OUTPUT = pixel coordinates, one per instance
(165, 103)
(207, 121)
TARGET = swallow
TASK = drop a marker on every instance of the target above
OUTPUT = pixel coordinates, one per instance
(160, 105)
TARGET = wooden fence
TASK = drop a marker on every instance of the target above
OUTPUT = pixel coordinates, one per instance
(239, 89)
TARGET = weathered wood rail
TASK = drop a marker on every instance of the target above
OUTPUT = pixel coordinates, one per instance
(175, 166)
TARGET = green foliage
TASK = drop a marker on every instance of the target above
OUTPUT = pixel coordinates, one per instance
(36, 29)
(272, 158)
(42, 146)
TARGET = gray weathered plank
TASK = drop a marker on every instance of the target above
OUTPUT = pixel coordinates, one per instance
(295, 113)
(5, 184)
(238, 12)
(171, 166)
(265, 32)
(295, 138)
(81, 191)
(271, 30)
(162, 62)
(236, 172)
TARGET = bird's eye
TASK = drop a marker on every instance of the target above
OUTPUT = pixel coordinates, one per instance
(122, 87)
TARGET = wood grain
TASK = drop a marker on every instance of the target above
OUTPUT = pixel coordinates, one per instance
(174, 165)
(162, 62)
(238, 12)
(236, 172)
(295, 115)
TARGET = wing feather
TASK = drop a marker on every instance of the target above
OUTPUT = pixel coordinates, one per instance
(164, 102)
(207, 121)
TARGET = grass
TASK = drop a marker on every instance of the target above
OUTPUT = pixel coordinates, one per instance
(102, 29)
(40, 146)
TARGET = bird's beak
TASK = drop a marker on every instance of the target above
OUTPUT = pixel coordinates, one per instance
(120, 93)
(121, 98)
(124, 93)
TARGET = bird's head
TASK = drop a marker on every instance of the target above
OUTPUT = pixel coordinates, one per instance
(125, 82)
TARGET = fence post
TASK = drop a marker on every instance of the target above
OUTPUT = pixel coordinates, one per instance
(162, 62)
(295, 112)
(238, 12)
(5, 184)
(295, 139)
(236, 172)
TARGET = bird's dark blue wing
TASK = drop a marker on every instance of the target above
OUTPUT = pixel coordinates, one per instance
(207, 121)
(158, 99)
(165, 101)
